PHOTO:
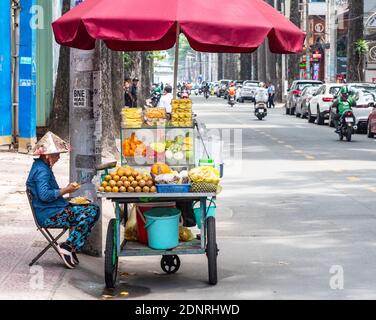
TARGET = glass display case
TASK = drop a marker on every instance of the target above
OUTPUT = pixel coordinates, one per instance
(171, 145)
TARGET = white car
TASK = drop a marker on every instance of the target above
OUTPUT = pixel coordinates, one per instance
(322, 100)
(247, 92)
(365, 101)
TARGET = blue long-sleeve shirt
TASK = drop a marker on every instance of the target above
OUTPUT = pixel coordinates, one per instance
(47, 201)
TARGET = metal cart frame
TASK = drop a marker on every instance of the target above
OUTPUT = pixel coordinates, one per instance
(170, 261)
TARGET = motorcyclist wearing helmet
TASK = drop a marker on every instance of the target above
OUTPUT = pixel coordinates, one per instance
(261, 94)
(231, 91)
(342, 104)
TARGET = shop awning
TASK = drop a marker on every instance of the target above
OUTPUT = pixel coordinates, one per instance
(209, 25)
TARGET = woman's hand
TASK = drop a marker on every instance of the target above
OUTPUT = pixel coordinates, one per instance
(70, 188)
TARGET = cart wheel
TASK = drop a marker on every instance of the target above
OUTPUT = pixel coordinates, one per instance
(211, 250)
(170, 263)
(111, 257)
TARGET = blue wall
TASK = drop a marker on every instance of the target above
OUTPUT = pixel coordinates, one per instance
(5, 72)
(27, 76)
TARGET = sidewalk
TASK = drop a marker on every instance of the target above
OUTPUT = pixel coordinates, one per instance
(21, 242)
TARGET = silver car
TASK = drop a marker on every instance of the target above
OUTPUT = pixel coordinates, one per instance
(294, 92)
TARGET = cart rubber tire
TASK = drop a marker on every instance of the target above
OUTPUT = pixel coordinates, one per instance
(111, 266)
(211, 250)
(170, 263)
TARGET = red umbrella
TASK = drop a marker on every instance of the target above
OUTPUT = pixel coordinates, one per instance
(209, 25)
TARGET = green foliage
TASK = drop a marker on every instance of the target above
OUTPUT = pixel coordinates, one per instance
(128, 60)
(361, 47)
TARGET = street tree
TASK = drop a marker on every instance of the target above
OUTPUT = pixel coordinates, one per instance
(293, 59)
(246, 66)
(355, 33)
(59, 117)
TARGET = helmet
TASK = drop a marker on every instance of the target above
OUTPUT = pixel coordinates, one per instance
(344, 92)
(232, 85)
(261, 84)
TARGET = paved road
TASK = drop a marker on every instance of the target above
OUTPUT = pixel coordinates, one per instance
(295, 220)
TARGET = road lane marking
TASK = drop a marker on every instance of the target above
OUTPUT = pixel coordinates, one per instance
(373, 189)
(298, 151)
(353, 179)
(310, 157)
(281, 142)
(289, 146)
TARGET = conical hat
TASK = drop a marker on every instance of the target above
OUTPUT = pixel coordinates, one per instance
(50, 144)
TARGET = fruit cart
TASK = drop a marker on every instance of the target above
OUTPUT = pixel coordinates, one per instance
(205, 243)
(149, 139)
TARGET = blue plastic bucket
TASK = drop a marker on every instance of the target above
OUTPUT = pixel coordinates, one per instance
(162, 225)
(210, 212)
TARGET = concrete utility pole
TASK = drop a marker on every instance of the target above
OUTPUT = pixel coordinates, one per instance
(308, 31)
(331, 36)
(84, 133)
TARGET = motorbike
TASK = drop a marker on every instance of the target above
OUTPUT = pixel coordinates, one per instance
(231, 99)
(197, 92)
(206, 94)
(155, 98)
(261, 111)
(347, 125)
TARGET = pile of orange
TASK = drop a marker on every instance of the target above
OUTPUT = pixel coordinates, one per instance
(127, 179)
(133, 147)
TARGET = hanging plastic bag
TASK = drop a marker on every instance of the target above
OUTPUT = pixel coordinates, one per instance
(130, 232)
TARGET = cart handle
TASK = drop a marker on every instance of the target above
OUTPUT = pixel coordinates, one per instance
(210, 204)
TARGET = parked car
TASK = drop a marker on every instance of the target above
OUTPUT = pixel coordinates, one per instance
(247, 92)
(365, 101)
(303, 100)
(222, 87)
(255, 82)
(295, 90)
(319, 106)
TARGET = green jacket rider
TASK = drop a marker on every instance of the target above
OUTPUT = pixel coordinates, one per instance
(342, 104)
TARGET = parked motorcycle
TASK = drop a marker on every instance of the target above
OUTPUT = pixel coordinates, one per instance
(155, 98)
(347, 125)
(261, 111)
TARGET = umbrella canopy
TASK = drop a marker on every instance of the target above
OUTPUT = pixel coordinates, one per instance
(209, 25)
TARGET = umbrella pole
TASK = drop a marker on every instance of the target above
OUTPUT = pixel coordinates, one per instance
(176, 66)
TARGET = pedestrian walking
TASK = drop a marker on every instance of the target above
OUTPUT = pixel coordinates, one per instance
(128, 100)
(134, 92)
(271, 94)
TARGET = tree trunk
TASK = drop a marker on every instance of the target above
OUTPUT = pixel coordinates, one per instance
(103, 63)
(117, 79)
(59, 117)
(255, 65)
(279, 76)
(220, 65)
(293, 59)
(261, 63)
(146, 77)
(246, 66)
(271, 60)
(355, 32)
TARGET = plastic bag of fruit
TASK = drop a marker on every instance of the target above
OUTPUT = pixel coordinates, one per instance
(205, 174)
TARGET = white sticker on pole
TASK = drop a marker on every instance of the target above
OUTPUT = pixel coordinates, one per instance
(80, 98)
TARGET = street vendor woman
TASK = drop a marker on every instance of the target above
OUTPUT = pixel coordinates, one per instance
(51, 209)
